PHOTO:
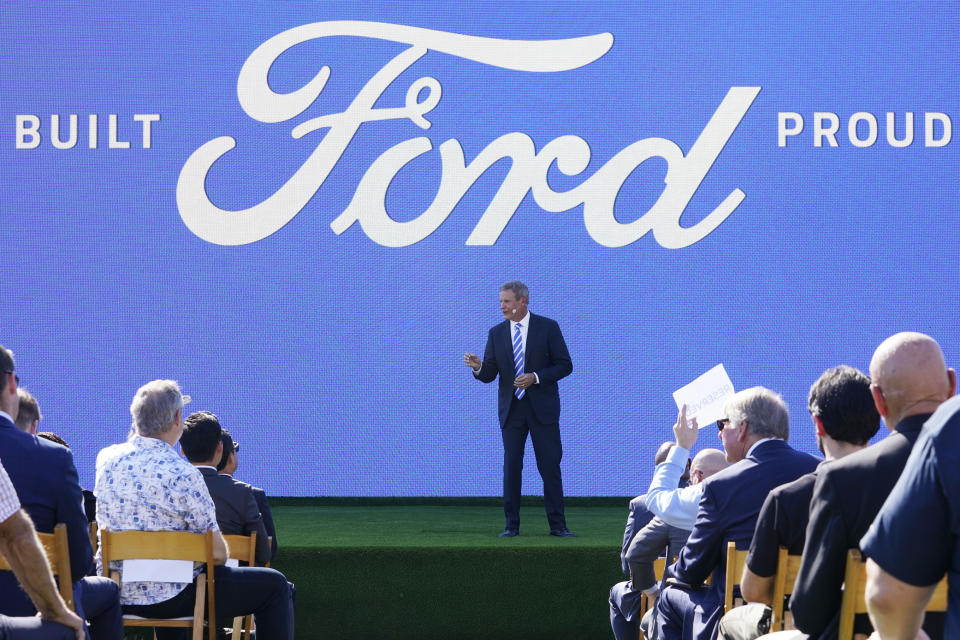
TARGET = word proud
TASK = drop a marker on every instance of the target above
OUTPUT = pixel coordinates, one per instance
(528, 172)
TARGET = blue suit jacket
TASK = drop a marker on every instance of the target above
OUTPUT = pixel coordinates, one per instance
(546, 355)
(46, 481)
(728, 511)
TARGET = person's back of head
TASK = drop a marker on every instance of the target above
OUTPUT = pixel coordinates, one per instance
(52, 437)
(201, 437)
(662, 452)
(841, 400)
(909, 376)
(9, 403)
(228, 460)
(28, 413)
(706, 463)
(752, 415)
(157, 409)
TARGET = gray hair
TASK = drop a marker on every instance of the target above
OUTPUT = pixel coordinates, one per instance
(519, 289)
(764, 410)
(154, 407)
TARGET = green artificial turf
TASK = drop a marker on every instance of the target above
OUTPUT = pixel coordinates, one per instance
(430, 571)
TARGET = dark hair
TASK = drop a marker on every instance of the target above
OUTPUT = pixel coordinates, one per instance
(662, 453)
(842, 400)
(201, 435)
(29, 409)
(228, 446)
(52, 437)
(6, 360)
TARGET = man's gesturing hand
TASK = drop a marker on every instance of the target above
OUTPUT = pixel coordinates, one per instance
(685, 432)
(472, 361)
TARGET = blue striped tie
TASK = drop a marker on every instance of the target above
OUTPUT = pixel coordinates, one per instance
(518, 359)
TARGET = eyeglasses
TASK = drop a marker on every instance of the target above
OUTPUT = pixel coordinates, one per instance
(15, 376)
(722, 423)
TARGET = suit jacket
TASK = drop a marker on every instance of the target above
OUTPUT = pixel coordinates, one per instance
(728, 511)
(237, 512)
(264, 505)
(847, 496)
(546, 355)
(46, 481)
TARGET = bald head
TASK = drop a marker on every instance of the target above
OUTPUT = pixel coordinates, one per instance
(909, 376)
(706, 463)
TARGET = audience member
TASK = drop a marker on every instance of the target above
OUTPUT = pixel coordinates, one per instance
(903, 565)
(677, 505)
(237, 512)
(910, 380)
(21, 549)
(28, 416)
(653, 540)
(844, 419)
(89, 500)
(754, 433)
(228, 466)
(144, 484)
(46, 482)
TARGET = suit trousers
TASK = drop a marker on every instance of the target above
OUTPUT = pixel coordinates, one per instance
(33, 628)
(547, 448)
(98, 602)
(239, 591)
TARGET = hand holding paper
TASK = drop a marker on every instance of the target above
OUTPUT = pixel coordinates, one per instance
(685, 432)
(705, 396)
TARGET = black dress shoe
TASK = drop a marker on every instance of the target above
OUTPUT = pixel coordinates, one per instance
(508, 533)
(563, 533)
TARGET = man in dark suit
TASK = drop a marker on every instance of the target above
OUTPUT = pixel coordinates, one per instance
(754, 433)
(227, 467)
(529, 355)
(46, 481)
(909, 381)
(237, 512)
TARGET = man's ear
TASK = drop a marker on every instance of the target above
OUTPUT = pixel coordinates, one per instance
(219, 453)
(743, 433)
(952, 377)
(819, 424)
(880, 402)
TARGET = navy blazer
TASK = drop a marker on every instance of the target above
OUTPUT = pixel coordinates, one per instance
(237, 511)
(546, 355)
(46, 481)
(728, 511)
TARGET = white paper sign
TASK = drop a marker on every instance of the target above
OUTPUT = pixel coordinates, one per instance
(157, 571)
(705, 396)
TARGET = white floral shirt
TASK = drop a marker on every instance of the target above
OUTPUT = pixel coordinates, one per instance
(144, 484)
(9, 502)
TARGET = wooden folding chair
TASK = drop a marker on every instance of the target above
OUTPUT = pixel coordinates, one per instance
(788, 567)
(854, 601)
(58, 556)
(166, 545)
(735, 563)
(244, 549)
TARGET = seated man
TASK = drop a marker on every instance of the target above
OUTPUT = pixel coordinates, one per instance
(845, 419)
(754, 433)
(910, 380)
(143, 484)
(22, 551)
(905, 562)
(228, 466)
(237, 512)
(46, 481)
(652, 541)
(89, 500)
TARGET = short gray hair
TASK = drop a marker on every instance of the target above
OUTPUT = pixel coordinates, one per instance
(154, 407)
(519, 289)
(764, 410)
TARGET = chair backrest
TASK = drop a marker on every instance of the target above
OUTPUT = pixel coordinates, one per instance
(788, 566)
(735, 563)
(57, 550)
(163, 545)
(244, 549)
(854, 601)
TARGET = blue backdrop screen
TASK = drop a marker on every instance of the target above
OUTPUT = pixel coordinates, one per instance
(303, 213)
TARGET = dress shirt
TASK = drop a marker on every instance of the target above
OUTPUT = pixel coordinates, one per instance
(144, 485)
(9, 502)
(524, 323)
(676, 507)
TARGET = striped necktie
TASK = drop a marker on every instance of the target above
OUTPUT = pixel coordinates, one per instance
(518, 359)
